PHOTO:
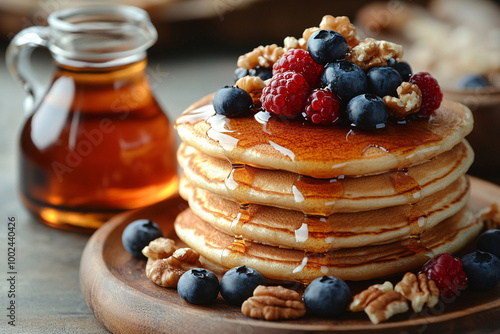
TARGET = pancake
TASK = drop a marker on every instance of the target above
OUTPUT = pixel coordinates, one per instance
(293, 229)
(284, 189)
(266, 141)
(359, 263)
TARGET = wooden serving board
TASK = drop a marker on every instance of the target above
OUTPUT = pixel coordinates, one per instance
(124, 300)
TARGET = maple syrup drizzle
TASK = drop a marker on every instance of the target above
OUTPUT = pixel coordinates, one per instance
(305, 187)
(304, 142)
(237, 183)
(406, 185)
(334, 146)
(241, 219)
(195, 115)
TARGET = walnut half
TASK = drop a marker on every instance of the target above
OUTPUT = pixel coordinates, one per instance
(166, 272)
(253, 86)
(160, 248)
(380, 302)
(371, 52)
(273, 303)
(418, 290)
(264, 56)
(385, 306)
(343, 26)
(408, 101)
(362, 299)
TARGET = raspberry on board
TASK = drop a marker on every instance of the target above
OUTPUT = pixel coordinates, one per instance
(431, 92)
(299, 61)
(447, 272)
(322, 107)
(285, 94)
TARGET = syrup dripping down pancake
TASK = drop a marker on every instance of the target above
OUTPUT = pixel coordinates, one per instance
(245, 184)
(264, 141)
(293, 229)
(358, 263)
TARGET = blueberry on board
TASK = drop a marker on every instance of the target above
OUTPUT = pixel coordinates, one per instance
(138, 234)
(367, 111)
(345, 79)
(238, 284)
(239, 73)
(473, 81)
(383, 81)
(489, 241)
(262, 72)
(326, 46)
(198, 286)
(482, 270)
(232, 101)
(402, 67)
(327, 297)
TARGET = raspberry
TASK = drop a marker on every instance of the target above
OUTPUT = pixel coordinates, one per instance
(431, 93)
(446, 271)
(299, 61)
(285, 94)
(322, 107)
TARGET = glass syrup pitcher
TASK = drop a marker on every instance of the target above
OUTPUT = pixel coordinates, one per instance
(96, 142)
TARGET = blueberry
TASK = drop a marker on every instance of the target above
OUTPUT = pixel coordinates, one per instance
(239, 73)
(198, 286)
(383, 81)
(489, 241)
(238, 283)
(345, 79)
(232, 101)
(473, 81)
(327, 296)
(138, 234)
(482, 270)
(367, 111)
(402, 67)
(262, 72)
(326, 46)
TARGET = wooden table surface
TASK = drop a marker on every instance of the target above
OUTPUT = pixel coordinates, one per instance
(48, 296)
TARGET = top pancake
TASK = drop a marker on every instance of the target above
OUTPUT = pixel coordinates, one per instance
(265, 141)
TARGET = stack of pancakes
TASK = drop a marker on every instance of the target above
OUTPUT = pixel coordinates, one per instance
(298, 201)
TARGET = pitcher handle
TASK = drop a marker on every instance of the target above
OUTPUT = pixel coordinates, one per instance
(18, 62)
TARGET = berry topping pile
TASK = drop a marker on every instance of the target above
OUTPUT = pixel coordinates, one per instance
(332, 66)
(447, 272)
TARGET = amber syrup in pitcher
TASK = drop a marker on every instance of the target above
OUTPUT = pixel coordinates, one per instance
(98, 143)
